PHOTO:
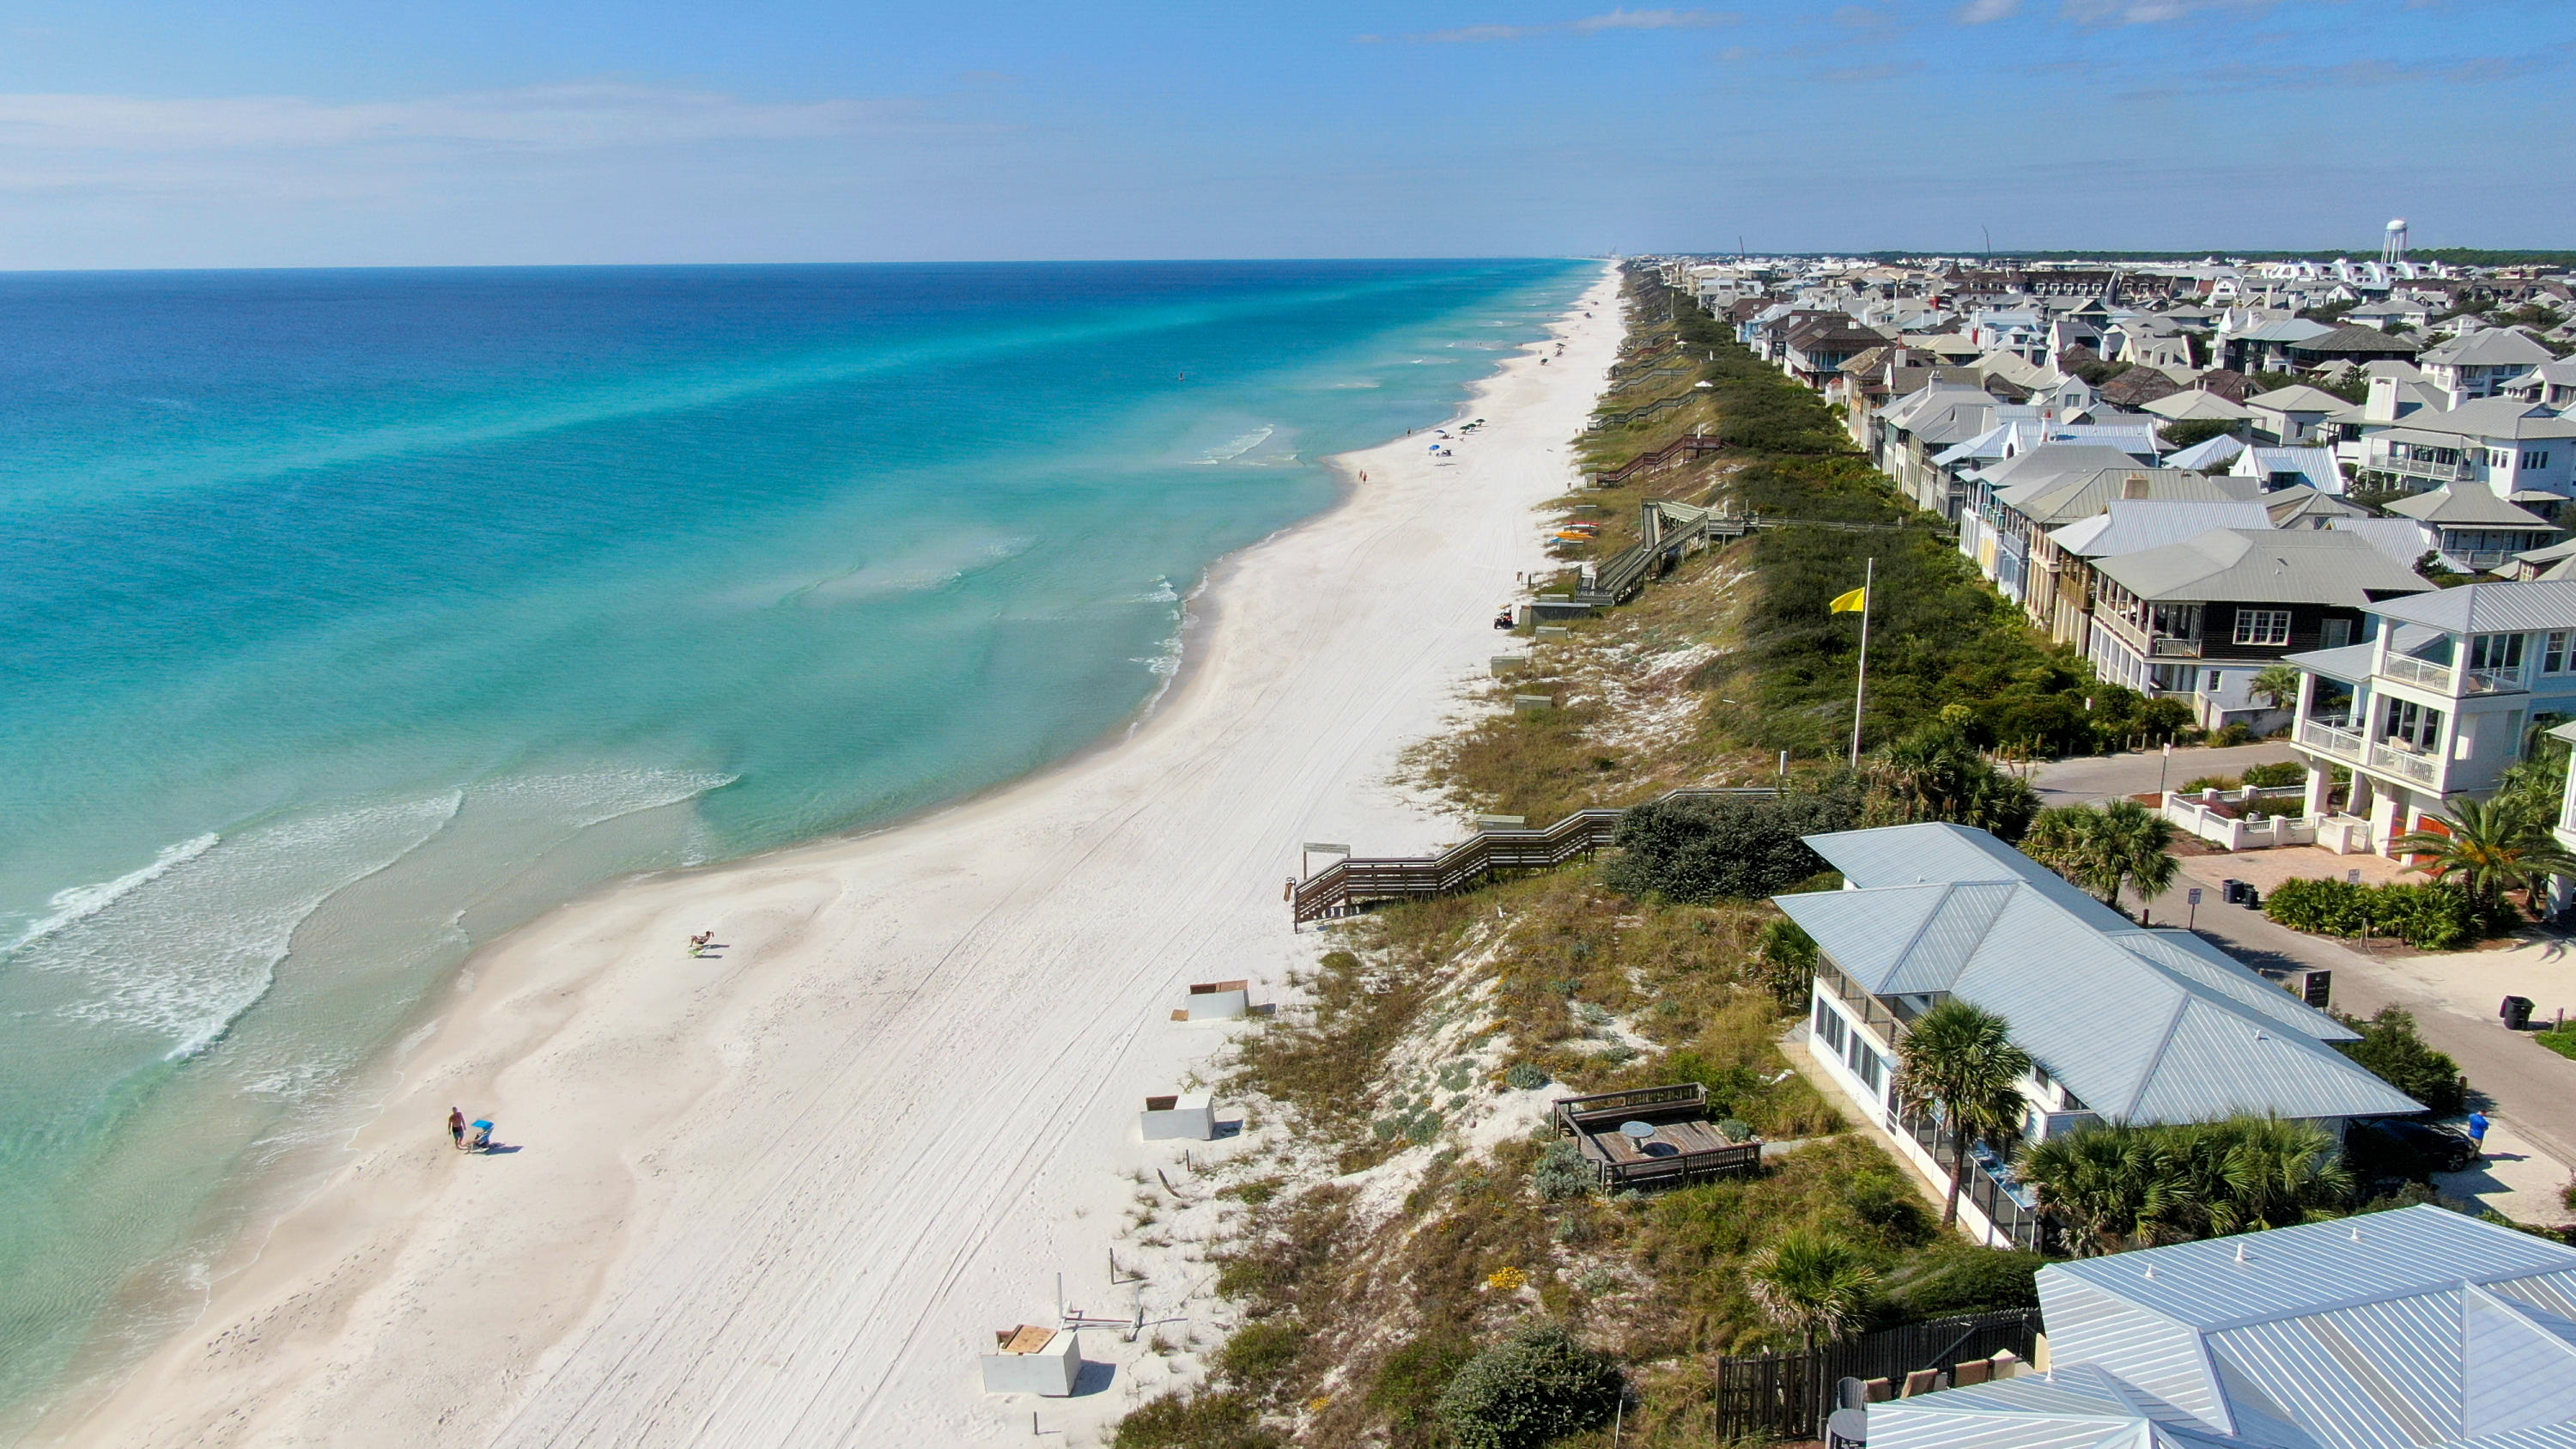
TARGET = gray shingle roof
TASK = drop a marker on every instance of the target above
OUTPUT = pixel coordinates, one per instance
(2138, 1024)
(2489, 347)
(2263, 566)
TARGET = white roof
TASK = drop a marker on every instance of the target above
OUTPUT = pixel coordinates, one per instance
(2298, 398)
(2131, 524)
(2488, 347)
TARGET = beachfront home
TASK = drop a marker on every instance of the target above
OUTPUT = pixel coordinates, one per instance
(2127, 526)
(2123, 1023)
(2201, 618)
(2473, 529)
(1911, 431)
(2292, 415)
(2435, 698)
(2420, 1328)
(2013, 506)
(2551, 384)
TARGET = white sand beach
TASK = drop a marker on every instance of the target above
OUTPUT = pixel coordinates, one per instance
(783, 1195)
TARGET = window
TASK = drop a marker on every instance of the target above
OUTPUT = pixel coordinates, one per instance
(2209, 682)
(2553, 652)
(2338, 633)
(2413, 723)
(1864, 1063)
(2495, 651)
(1829, 1024)
(2536, 460)
(2262, 626)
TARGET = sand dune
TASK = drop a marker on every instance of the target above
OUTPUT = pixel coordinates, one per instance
(783, 1195)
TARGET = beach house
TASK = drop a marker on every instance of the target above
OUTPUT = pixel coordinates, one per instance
(2199, 619)
(2479, 362)
(2434, 699)
(2420, 1328)
(2506, 445)
(2473, 529)
(2123, 1023)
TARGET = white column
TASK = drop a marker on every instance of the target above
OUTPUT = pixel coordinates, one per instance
(2320, 786)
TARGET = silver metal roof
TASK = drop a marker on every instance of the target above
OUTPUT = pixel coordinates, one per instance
(2140, 1026)
(2474, 504)
(2398, 1330)
(2129, 525)
(2499, 608)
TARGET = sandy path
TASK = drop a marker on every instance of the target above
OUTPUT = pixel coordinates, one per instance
(783, 1197)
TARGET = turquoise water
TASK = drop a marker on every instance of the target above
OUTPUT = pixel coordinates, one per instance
(351, 617)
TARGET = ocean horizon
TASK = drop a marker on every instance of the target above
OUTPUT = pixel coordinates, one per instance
(356, 617)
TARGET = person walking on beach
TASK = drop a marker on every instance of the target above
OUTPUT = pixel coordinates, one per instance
(456, 1128)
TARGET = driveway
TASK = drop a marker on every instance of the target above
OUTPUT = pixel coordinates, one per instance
(2521, 1081)
(2085, 779)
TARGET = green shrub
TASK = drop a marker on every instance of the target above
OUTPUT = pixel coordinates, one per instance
(2395, 1054)
(1259, 1353)
(1784, 961)
(2198, 783)
(1727, 848)
(1979, 1280)
(1536, 1387)
(1409, 1384)
(1562, 1173)
(1194, 1421)
(2434, 917)
(1526, 1077)
(2273, 776)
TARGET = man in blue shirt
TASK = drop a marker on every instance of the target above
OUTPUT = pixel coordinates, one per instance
(2478, 1133)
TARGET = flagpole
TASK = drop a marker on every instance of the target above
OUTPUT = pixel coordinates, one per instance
(1860, 681)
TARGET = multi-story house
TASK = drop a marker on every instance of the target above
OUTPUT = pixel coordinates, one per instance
(2435, 698)
(2551, 385)
(2474, 530)
(2199, 619)
(2508, 446)
(1912, 430)
(1814, 350)
(2012, 506)
(2123, 1024)
(2478, 363)
(2126, 526)
(2292, 416)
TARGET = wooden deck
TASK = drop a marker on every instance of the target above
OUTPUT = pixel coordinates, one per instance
(1686, 1147)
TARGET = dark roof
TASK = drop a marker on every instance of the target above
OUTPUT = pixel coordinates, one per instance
(2138, 386)
(2226, 382)
(2350, 339)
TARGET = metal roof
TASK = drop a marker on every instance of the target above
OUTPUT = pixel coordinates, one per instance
(2138, 1025)
(2396, 1330)
(2215, 452)
(2131, 524)
(2498, 608)
(2198, 403)
(2489, 347)
(2263, 566)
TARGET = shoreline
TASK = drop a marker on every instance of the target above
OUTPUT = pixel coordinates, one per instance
(916, 1010)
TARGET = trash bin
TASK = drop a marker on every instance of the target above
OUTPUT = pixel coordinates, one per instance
(2253, 899)
(2232, 891)
(2516, 1012)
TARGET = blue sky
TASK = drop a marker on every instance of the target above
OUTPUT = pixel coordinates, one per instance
(353, 132)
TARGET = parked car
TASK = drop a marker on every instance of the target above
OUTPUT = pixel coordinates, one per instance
(2404, 1147)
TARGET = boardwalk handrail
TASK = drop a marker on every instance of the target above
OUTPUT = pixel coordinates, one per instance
(1353, 881)
(1688, 445)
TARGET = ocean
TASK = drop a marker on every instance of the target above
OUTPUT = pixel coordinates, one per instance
(350, 618)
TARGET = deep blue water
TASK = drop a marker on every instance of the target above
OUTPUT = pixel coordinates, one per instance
(348, 617)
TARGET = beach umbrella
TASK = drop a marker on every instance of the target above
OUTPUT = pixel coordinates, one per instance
(482, 1125)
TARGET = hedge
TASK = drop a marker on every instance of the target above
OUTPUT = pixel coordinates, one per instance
(2433, 917)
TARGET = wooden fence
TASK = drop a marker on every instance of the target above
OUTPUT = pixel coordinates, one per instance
(1788, 1395)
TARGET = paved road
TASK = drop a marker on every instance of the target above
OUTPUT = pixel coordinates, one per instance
(2528, 1085)
(2085, 779)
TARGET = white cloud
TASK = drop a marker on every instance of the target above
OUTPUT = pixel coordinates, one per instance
(537, 118)
(1986, 12)
(1624, 19)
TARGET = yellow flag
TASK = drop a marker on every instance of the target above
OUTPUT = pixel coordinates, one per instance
(1854, 602)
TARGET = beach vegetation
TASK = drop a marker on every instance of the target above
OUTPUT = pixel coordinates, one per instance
(1712, 848)
(1212, 1419)
(1530, 1390)
(2112, 1187)
(2393, 1051)
(2429, 917)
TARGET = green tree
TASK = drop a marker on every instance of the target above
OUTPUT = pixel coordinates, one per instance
(2117, 1186)
(1727, 848)
(1934, 773)
(2490, 847)
(2277, 685)
(2392, 1051)
(2099, 1184)
(1959, 1063)
(1812, 1283)
(2120, 843)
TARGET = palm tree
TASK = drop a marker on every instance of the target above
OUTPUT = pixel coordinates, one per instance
(1959, 1063)
(1934, 773)
(2122, 843)
(1813, 1282)
(2490, 847)
(2098, 1183)
(2277, 686)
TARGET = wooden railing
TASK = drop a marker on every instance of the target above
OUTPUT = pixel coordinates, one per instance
(1355, 881)
(1690, 445)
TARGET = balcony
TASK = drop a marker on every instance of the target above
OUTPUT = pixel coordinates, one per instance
(2406, 764)
(2407, 669)
(2460, 472)
(2169, 648)
(2496, 681)
(2341, 743)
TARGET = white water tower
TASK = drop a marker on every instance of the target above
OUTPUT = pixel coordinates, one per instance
(2392, 250)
